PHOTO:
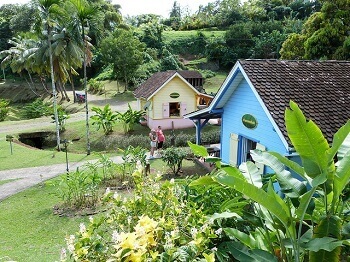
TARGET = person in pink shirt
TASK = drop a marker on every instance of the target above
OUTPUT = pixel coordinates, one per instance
(160, 139)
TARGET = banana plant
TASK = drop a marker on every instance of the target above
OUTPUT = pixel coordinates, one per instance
(317, 200)
(104, 118)
(325, 180)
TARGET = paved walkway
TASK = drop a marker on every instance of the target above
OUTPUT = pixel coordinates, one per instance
(25, 178)
(30, 176)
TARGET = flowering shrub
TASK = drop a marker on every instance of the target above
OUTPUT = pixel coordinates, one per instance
(156, 224)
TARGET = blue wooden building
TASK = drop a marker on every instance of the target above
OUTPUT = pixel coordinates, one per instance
(252, 100)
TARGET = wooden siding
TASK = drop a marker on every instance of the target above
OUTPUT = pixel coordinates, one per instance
(168, 124)
(176, 85)
(243, 101)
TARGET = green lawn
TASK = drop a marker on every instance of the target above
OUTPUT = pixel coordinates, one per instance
(28, 157)
(29, 230)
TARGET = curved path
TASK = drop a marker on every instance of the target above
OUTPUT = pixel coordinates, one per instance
(24, 178)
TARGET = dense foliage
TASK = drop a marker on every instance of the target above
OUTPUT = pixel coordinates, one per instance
(131, 49)
(233, 213)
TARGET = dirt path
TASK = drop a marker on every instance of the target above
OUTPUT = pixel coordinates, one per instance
(9, 127)
(25, 178)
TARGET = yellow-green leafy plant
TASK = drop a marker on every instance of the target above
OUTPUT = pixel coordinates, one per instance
(156, 223)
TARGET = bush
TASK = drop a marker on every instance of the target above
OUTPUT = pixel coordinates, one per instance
(4, 109)
(104, 118)
(62, 116)
(106, 74)
(114, 142)
(173, 157)
(36, 109)
(80, 189)
(95, 86)
(156, 223)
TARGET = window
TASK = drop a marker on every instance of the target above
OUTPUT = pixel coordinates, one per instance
(246, 146)
(240, 151)
(174, 109)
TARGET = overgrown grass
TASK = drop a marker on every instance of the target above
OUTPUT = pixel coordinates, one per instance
(29, 230)
(170, 36)
(212, 85)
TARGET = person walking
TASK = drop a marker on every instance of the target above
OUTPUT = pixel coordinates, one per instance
(160, 140)
(153, 137)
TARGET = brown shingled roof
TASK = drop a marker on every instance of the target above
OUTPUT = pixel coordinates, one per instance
(152, 84)
(321, 89)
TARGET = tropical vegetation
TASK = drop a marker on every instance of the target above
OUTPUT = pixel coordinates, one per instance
(233, 213)
(300, 212)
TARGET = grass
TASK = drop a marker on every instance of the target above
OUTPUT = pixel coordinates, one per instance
(37, 234)
(30, 157)
(30, 231)
(170, 36)
(213, 84)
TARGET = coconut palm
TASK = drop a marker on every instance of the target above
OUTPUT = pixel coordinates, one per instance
(84, 14)
(17, 57)
(49, 11)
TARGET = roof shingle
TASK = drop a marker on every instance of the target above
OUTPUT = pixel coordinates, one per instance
(157, 80)
(321, 89)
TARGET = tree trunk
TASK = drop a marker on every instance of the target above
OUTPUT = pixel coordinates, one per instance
(31, 80)
(43, 82)
(58, 140)
(72, 83)
(63, 88)
(86, 97)
(126, 83)
(30, 87)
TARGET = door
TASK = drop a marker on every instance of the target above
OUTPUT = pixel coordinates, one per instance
(233, 149)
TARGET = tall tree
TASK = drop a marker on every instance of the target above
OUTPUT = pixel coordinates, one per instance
(49, 11)
(324, 36)
(84, 14)
(125, 52)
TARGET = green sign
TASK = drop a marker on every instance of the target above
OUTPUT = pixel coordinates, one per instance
(174, 95)
(249, 121)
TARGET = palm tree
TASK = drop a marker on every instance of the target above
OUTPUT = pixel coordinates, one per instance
(49, 9)
(84, 14)
(18, 58)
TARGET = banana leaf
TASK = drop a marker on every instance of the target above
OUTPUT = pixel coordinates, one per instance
(307, 140)
(290, 186)
(243, 254)
(251, 173)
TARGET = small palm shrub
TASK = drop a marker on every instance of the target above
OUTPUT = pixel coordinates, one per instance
(104, 118)
(4, 109)
(95, 86)
(37, 108)
(130, 118)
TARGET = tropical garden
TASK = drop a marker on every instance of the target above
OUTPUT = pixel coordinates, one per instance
(173, 210)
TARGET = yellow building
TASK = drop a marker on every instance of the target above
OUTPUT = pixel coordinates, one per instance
(167, 96)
